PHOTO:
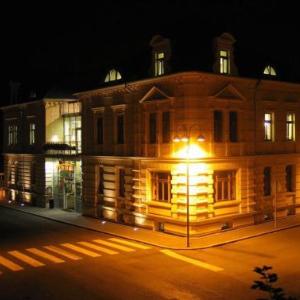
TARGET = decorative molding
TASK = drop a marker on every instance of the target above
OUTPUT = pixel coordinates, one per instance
(96, 110)
(119, 107)
(229, 92)
(155, 91)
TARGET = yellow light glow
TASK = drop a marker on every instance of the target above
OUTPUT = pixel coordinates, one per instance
(191, 151)
(55, 138)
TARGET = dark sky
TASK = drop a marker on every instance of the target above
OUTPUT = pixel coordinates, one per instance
(49, 42)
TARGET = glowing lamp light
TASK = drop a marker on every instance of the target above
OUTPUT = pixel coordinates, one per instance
(9, 201)
(103, 222)
(55, 138)
(191, 151)
(201, 138)
(176, 139)
(135, 228)
(22, 204)
(184, 139)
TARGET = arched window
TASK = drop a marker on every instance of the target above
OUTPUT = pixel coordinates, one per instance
(269, 70)
(113, 75)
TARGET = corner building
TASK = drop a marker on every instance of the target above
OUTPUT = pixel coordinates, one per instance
(219, 150)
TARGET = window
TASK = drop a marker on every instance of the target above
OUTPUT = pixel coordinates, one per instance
(224, 185)
(161, 186)
(120, 129)
(290, 127)
(289, 178)
(159, 66)
(32, 133)
(268, 70)
(152, 128)
(233, 126)
(101, 181)
(269, 126)
(267, 181)
(166, 127)
(12, 134)
(72, 131)
(224, 62)
(218, 126)
(113, 75)
(100, 130)
(121, 182)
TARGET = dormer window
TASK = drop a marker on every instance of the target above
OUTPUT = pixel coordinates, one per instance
(224, 62)
(269, 70)
(159, 61)
(113, 75)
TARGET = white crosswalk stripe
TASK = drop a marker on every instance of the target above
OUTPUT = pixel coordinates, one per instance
(132, 244)
(26, 259)
(81, 250)
(112, 245)
(9, 264)
(45, 255)
(98, 248)
(62, 252)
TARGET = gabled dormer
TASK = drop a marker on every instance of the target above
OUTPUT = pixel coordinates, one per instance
(224, 55)
(161, 54)
(269, 71)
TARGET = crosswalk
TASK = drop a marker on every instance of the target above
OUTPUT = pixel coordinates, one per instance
(19, 260)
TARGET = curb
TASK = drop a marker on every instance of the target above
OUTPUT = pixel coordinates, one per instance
(151, 243)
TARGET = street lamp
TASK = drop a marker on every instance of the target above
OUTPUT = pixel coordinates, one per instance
(186, 138)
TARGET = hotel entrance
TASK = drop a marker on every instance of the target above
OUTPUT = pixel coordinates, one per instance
(63, 183)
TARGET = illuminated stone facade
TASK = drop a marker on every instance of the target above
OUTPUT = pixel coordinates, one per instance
(111, 152)
(228, 186)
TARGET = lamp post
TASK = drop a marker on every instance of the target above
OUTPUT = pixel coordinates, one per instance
(186, 138)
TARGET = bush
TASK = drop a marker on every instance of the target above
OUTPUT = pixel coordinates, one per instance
(266, 284)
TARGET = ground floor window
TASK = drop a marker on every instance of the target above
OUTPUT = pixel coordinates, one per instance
(161, 186)
(267, 181)
(224, 185)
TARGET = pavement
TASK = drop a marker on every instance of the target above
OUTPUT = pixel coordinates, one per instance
(154, 238)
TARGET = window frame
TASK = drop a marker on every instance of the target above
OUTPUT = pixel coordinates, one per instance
(224, 61)
(228, 185)
(267, 181)
(158, 186)
(218, 126)
(121, 182)
(290, 178)
(159, 63)
(233, 127)
(32, 131)
(291, 127)
(269, 134)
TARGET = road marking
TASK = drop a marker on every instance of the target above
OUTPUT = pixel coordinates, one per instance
(81, 250)
(192, 261)
(132, 244)
(27, 259)
(9, 264)
(119, 247)
(99, 248)
(62, 252)
(45, 255)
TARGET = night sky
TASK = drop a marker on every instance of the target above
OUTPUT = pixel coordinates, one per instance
(54, 43)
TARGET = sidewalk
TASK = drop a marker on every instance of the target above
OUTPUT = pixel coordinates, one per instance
(155, 238)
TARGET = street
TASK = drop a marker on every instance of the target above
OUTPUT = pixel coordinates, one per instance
(43, 259)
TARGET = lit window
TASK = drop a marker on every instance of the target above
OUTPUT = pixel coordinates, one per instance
(269, 71)
(224, 185)
(267, 181)
(72, 131)
(12, 134)
(268, 126)
(290, 126)
(31, 133)
(113, 75)
(224, 62)
(159, 65)
(161, 186)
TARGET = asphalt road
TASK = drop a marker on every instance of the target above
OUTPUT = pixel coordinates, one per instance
(102, 268)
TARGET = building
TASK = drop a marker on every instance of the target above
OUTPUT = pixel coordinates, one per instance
(210, 148)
